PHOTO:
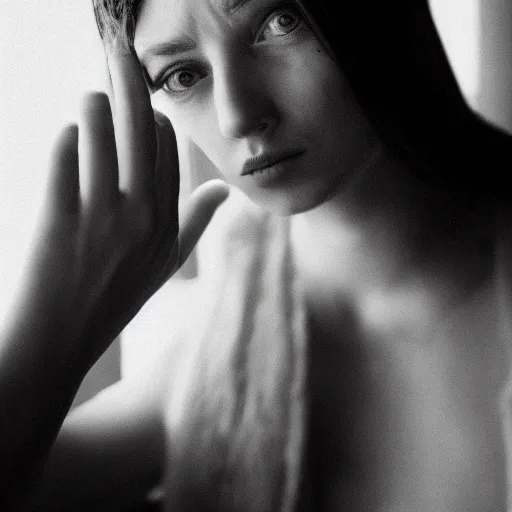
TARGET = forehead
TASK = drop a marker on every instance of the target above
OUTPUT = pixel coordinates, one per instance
(186, 19)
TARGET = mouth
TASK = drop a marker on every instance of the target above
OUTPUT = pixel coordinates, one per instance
(270, 166)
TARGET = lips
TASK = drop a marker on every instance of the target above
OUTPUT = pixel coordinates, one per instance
(262, 162)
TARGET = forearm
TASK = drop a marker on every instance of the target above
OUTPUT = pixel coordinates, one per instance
(39, 377)
(108, 453)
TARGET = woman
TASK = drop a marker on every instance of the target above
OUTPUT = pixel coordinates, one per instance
(352, 124)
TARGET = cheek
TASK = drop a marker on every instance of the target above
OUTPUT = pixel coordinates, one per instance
(316, 101)
(324, 106)
(301, 74)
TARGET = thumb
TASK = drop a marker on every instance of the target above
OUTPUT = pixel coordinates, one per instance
(202, 204)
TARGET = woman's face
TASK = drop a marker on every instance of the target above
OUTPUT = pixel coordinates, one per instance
(249, 83)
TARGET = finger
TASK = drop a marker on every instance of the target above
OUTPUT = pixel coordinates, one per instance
(63, 197)
(134, 124)
(108, 87)
(167, 175)
(97, 154)
(203, 203)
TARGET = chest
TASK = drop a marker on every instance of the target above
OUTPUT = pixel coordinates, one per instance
(400, 421)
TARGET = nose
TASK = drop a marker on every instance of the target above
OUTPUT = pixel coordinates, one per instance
(244, 102)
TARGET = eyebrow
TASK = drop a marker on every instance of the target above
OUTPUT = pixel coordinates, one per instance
(167, 48)
(231, 6)
(170, 48)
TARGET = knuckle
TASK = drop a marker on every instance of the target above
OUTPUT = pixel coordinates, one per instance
(106, 224)
(141, 224)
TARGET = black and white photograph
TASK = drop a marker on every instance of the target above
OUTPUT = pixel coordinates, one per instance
(256, 256)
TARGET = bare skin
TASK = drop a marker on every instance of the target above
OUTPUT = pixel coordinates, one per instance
(405, 424)
(407, 362)
(409, 359)
(397, 280)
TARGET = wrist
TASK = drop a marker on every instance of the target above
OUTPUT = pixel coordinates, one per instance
(43, 344)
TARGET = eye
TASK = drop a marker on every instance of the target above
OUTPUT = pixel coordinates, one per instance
(280, 23)
(181, 79)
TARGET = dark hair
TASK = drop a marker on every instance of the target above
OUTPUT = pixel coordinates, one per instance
(393, 58)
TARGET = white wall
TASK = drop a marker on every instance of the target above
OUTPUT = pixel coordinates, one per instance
(495, 100)
(49, 55)
(458, 22)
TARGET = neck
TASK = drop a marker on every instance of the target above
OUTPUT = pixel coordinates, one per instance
(387, 230)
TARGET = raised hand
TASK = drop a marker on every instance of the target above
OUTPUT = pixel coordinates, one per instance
(111, 235)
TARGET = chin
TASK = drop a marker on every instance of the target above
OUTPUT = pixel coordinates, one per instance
(288, 203)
